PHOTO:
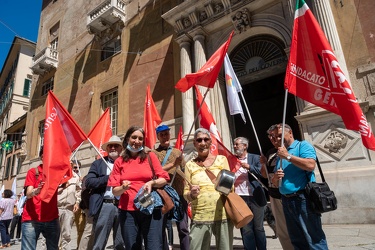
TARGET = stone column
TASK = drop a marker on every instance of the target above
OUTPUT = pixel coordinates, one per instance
(187, 97)
(200, 59)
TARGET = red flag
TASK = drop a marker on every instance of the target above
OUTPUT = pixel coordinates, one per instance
(151, 120)
(314, 74)
(101, 132)
(207, 75)
(61, 136)
(207, 121)
(179, 142)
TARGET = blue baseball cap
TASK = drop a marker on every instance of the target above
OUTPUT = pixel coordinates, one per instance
(162, 128)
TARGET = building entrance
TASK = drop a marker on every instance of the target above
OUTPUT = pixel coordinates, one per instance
(265, 100)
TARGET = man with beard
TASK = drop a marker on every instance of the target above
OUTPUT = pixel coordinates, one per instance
(251, 191)
(103, 204)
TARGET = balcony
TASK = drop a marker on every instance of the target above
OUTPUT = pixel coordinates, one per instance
(106, 14)
(44, 61)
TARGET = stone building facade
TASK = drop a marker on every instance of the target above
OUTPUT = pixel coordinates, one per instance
(100, 54)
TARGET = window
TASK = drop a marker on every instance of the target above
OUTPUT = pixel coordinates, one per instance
(41, 134)
(110, 48)
(110, 100)
(47, 85)
(8, 167)
(27, 88)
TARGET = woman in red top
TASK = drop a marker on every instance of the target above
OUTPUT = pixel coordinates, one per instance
(130, 172)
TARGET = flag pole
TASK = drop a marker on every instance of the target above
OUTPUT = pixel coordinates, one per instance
(257, 139)
(252, 123)
(196, 116)
(283, 129)
(191, 129)
(75, 151)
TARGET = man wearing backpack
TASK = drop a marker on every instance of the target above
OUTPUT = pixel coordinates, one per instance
(171, 158)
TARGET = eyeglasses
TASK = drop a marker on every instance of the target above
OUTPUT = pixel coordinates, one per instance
(199, 140)
(134, 137)
(75, 167)
(113, 145)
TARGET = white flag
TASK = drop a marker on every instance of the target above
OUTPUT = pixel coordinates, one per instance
(14, 187)
(233, 87)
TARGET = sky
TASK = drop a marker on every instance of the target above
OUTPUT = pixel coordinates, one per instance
(18, 18)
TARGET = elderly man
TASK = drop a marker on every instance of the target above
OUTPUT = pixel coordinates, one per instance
(170, 159)
(251, 191)
(295, 168)
(68, 198)
(103, 205)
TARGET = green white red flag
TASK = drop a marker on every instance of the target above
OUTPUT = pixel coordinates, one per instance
(101, 132)
(314, 74)
(62, 136)
(207, 75)
(151, 119)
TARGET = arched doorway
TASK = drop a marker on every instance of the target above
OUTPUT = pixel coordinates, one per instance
(260, 63)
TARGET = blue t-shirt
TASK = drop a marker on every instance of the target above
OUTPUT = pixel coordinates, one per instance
(295, 179)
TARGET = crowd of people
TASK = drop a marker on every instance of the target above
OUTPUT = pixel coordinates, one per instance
(107, 199)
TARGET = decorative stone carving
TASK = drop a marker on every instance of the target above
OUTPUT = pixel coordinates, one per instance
(203, 16)
(335, 142)
(218, 8)
(187, 22)
(241, 20)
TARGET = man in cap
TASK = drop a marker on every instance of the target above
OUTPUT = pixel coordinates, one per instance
(171, 158)
(103, 205)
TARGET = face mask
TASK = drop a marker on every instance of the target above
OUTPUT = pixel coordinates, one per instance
(134, 150)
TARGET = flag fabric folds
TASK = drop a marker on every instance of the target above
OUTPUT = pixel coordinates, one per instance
(61, 136)
(207, 75)
(207, 121)
(101, 132)
(233, 87)
(179, 142)
(314, 74)
(151, 120)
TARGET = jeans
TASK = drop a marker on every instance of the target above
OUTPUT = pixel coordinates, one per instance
(304, 227)
(104, 222)
(253, 234)
(4, 225)
(136, 226)
(16, 222)
(32, 229)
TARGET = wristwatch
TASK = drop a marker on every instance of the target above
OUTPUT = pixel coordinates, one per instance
(289, 157)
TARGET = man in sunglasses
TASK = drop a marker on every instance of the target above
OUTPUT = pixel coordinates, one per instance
(103, 204)
(68, 198)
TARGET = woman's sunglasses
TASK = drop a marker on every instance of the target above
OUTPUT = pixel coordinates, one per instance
(199, 140)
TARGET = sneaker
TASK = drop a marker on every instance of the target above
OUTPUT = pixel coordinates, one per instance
(170, 247)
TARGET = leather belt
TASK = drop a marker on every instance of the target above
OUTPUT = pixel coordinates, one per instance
(302, 191)
(113, 201)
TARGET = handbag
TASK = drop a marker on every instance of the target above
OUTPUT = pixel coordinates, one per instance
(321, 197)
(168, 204)
(236, 208)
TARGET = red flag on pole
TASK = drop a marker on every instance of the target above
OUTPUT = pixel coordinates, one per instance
(207, 121)
(101, 132)
(314, 74)
(61, 136)
(179, 142)
(207, 75)
(151, 120)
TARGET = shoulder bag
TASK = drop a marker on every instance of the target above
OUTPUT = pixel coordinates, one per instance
(321, 197)
(237, 209)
